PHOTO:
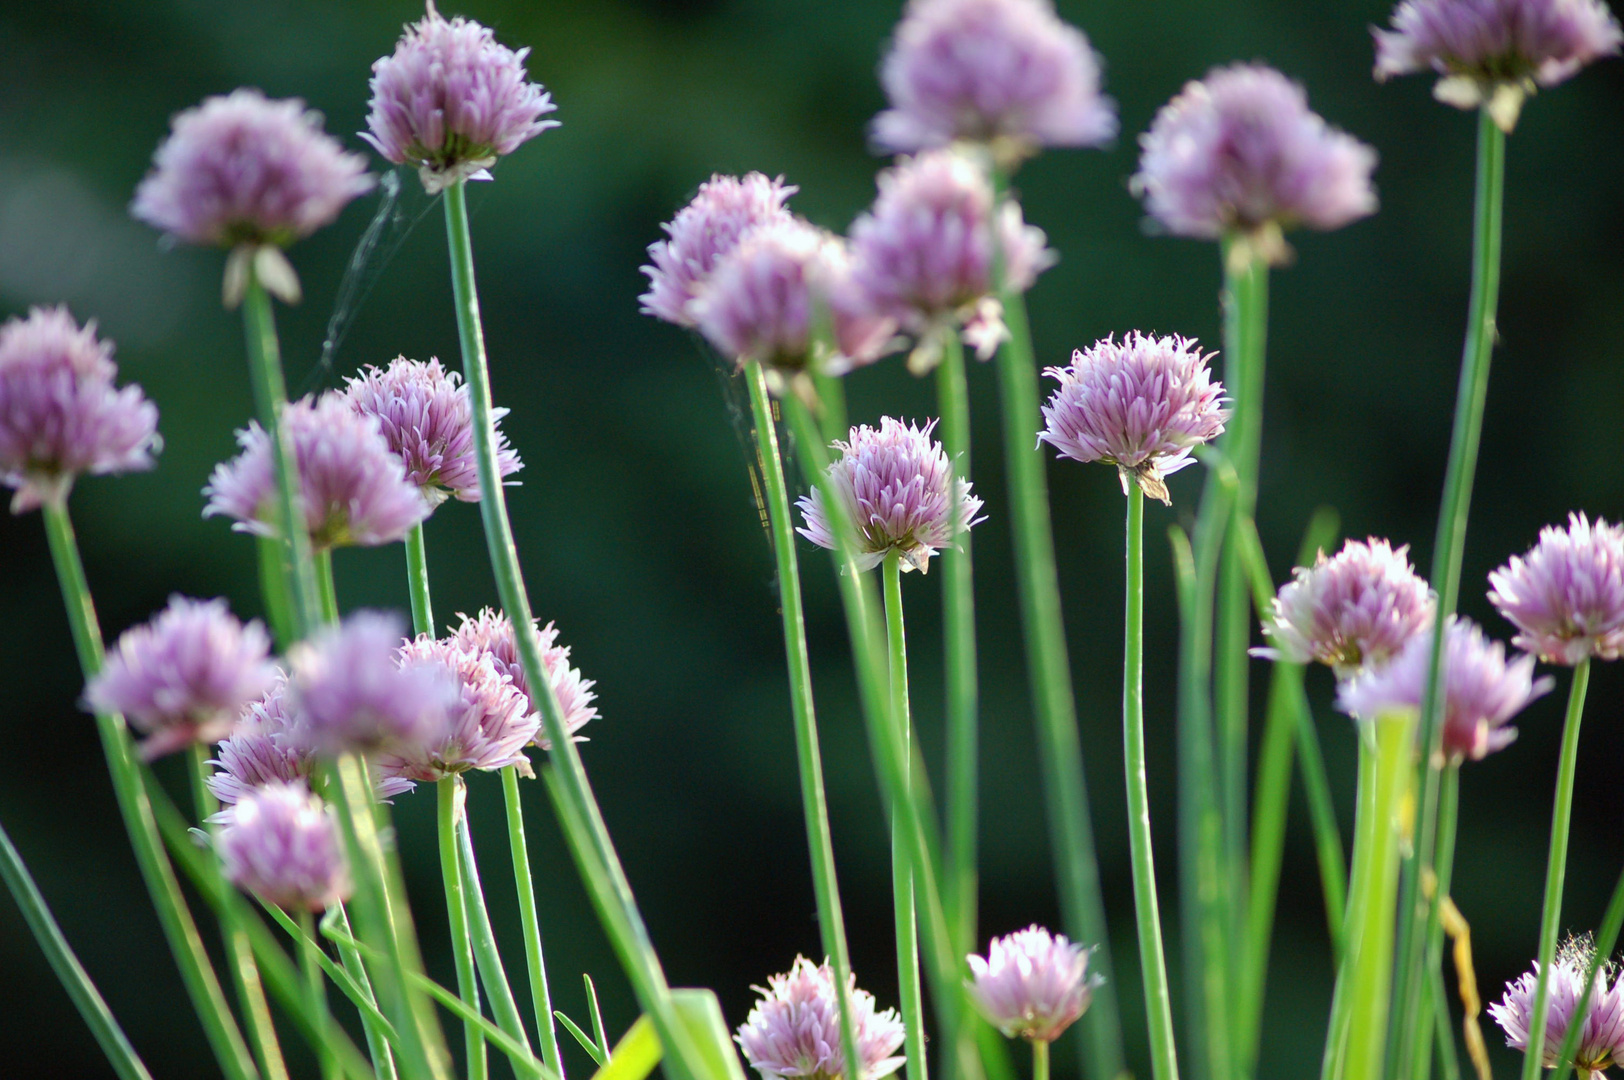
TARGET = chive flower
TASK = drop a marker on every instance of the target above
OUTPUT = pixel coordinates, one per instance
(61, 417)
(450, 101)
(490, 634)
(1493, 53)
(280, 843)
(488, 728)
(1141, 404)
(793, 1030)
(899, 493)
(1240, 154)
(183, 677)
(1007, 73)
(1032, 984)
(1601, 1038)
(1355, 610)
(1566, 594)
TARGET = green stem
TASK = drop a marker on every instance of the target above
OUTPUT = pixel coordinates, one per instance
(1448, 550)
(909, 991)
(1040, 1060)
(1365, 817)
(809, 756)
(208, 1001)
(1333, 863)
(310, 958)
(1606, 938)
(1556, 868)
(326, 590)
(1448, 1058)
(378, 1033)
(75, 980)
(417, 580)
(541, 997)
(616, 906)
(456, 906)
(1152, 962)
(273, 588)
(1448, 818)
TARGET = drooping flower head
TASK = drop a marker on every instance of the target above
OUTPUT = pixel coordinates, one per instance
(353, 487)
(1240, 153)
(1353, 611)
(183, 677)
(1004, 72)
(1566, 595)
(1140, 404)
(281, 843)
(1032, 984)
(1482, 689)
(450, 100)
(1493, 52)
(427, 419)
(488, 728)
(1601, 1038)
(899, 492)
(351, 692)
(60, 414)
(793, 1031)
(707, 228)
(490, 634)
(924, 255)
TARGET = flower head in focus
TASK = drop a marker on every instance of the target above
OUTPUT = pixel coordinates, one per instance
(1492, 53)
(1141, 404)
(793, 1031)
(899, 492)
(1355, 610)
(1566, 595)
(450, 101)
(280, 842)
(1032, 984)
(60, 414)
(490, 634)
(488, 728)
(1601, 1038)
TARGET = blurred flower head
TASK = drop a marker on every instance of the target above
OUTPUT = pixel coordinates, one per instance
(490, 634)
(793, 1031)
(280, 842)
(1566, 595)
(488, 728)
(1032, 984)
(1601, 1038)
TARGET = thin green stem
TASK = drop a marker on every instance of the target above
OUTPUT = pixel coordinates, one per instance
(273, 588)
(1444, 1030)
(612, 893)
(1333, 863)
(1365, 817)
(417, 581)
(1606, 938)
(456, 907)
(809, 756)
(379, 1033)
(1556, 868)
(1448, 819)
(202, 986)
(909, 992)
(541, 997)
(326, 590)
(310, 958)
(1448, 551)
(1040, 1060)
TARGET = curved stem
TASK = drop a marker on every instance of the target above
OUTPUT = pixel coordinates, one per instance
(417, 581)
(456, 906)
(902, 884)
(541, 997)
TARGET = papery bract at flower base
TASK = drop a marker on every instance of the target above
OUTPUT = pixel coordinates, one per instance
(281, 843)
(488, 728)
(1601, 1039)
(491, 633)
(793, 1031)
(1032, 984)
(1566, 594)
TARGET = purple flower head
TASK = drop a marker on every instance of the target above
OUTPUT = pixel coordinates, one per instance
(451, 101)
(702, 232)
(794, 1029)
(281, 843)
(1566, 595)
(60, 414)
(1004, 72)
(1140, 404)
(183, 677)
(1601, 1038)
(1353, 611)
(426, 417)
(490, 634)
(351, 691)
(353, 486)
(897, 488)
(244, 170)
(1482, 689)
(1032, 984)
(1492, 52)
(488, 728)
(1240, 152)
(923, 256)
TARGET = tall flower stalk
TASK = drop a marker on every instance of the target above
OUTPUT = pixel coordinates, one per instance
(902, 881)
(450, 796)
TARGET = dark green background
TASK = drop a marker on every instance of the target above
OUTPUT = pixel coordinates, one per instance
(636, 522)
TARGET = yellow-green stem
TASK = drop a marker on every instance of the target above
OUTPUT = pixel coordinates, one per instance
(417, 582)
(310, 957)
(456, 906)
(909, 991)
(541, 997)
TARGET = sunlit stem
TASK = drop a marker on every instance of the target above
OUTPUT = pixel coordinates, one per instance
(456, 905)
(902, 883)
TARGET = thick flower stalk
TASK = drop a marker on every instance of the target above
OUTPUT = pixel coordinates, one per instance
(1601, 1027)
(488, 727)
(1566, 594)
(280, 843)
(450, 100)
(793, 1031)
(1032, 984)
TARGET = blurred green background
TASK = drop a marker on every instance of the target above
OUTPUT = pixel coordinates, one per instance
(635, 519)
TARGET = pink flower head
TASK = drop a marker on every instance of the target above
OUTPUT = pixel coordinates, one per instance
(793, 1031)
(281, 843)
(183, 677)
(1141, 405)
(1004, 72)
(899, 492)
(1032, 984)
(426, 417)
(1601, 1039)
(1240, 152)
(1354, 611)
(353, 486)
(1493, 52)
(488, 728)
(242, 169)
(1482, 689)
(1566, 595)
(490, 634)
(60, 414)
(702, 232)
(451, 101)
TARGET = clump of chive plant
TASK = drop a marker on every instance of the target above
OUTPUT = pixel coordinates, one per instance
(793, 1031)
